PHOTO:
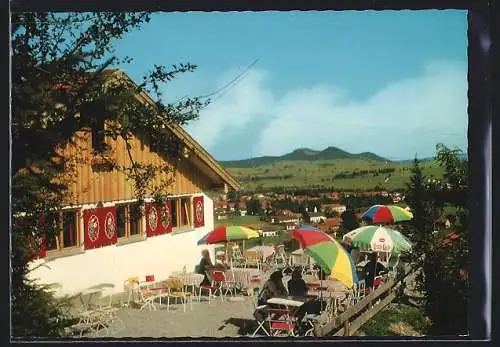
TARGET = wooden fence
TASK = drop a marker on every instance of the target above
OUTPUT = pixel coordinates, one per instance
(355, 316)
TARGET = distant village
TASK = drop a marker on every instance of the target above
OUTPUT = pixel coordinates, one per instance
(280, 212)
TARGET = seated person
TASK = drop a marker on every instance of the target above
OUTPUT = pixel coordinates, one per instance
(296, 285)
(205, 267)
(220, 262)
(314, 306)
(273, 288)
(372, 269)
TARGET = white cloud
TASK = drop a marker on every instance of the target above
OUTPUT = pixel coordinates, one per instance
(233, 108)
(402, 118)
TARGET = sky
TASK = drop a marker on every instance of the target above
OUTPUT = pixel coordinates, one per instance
(389, 82)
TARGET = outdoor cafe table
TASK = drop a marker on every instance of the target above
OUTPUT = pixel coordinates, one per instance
(327, 288)
(328, 283)
(190, 279)
(242, 276)
(266, 251)
(187, 279)
(159, 287)
(289, 302)
(91, 294)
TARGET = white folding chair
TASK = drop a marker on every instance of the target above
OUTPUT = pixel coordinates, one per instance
(147, 296)
(131, 285)
(262, 308)
(280, 257)
(236, 256)
(360, 290)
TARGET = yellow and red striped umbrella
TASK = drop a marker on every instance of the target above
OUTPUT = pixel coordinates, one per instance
(226, 233)
(328, 253)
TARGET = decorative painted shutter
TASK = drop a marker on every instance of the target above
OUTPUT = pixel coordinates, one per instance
(107, 218)
(152, 220)
(93, 229)
(199, 211)
(100, 227)
(159, 219)
(42, 250)
(166, 217)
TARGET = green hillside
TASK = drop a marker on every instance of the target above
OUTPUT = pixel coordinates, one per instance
(342, 174)
(301, 154)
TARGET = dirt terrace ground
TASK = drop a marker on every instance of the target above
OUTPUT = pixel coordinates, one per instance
(217, 319)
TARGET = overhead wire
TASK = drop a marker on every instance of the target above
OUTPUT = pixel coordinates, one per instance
(233, 82)
(224, 89)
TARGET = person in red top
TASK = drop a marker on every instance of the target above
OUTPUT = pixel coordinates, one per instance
(372, 269)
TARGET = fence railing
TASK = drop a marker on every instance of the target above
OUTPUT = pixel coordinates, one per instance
(355, 316)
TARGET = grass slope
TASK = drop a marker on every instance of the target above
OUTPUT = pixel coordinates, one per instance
(321, 173)
(396, 320)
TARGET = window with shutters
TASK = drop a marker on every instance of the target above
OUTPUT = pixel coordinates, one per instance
(64, 231)
(128, 225)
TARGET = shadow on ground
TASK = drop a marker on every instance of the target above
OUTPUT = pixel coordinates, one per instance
(245, 326)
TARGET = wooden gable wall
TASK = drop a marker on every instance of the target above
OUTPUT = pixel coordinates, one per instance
(92, 186)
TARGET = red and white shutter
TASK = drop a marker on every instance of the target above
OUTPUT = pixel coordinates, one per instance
(100, 227)
(166, 217)
(92, 229)
(42, 248)
(152, 220)
(158, 219)
(107, 216)
(199, 211)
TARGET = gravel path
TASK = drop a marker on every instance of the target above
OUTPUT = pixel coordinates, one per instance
(217, 319)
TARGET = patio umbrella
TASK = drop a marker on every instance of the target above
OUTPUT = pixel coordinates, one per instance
(386, 214)
(328, 254)
(379, 239)
(227, 233)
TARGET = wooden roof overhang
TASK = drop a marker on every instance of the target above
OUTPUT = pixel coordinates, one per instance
(220, 177)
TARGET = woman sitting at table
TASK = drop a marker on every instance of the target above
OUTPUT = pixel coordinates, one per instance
(273, 288)
(205, 267)
(296, 285)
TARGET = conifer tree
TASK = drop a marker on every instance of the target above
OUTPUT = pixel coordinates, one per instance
(443, 278)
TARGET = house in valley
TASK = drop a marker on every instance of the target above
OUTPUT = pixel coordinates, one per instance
(269, 230)
(98, 236)
(339, 208)
(317, 217)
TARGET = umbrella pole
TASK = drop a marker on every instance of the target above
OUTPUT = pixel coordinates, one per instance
(374, 272)
(226, 251)
(321, 291)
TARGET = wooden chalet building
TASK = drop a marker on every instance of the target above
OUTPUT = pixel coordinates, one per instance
(97, 239)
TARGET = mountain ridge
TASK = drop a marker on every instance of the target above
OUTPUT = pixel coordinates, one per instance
(329, 153)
